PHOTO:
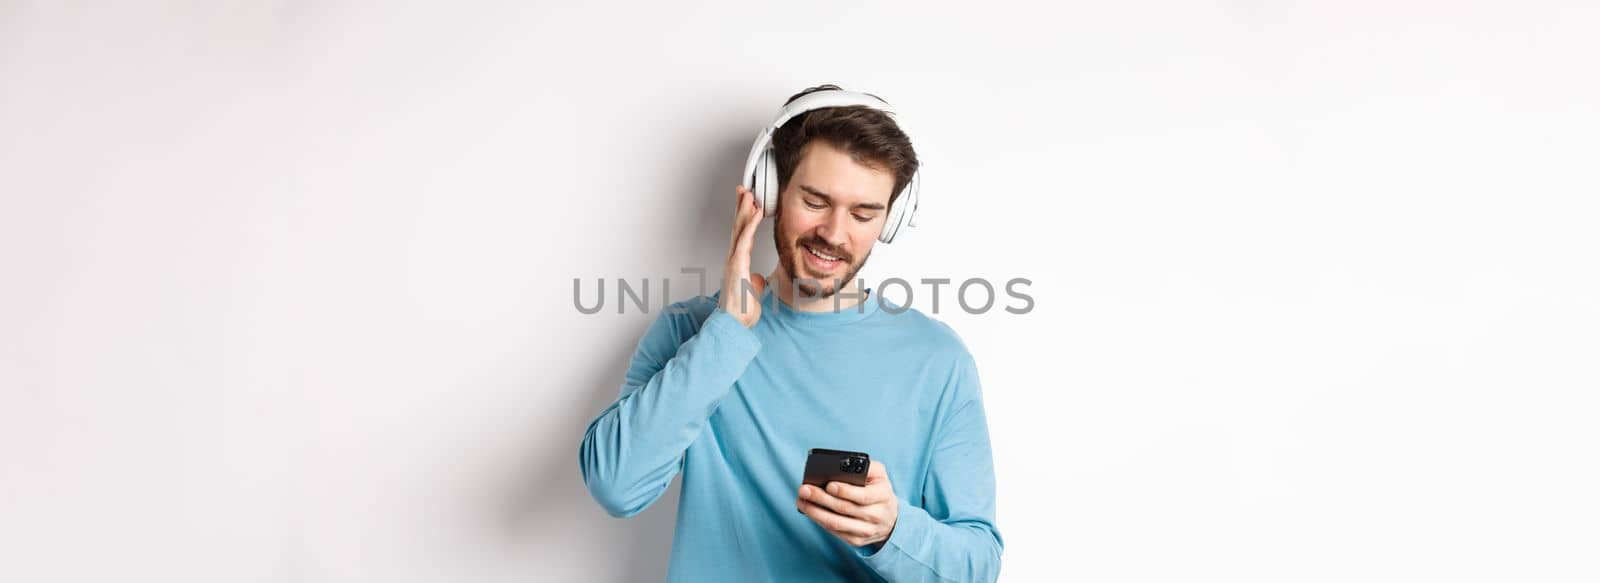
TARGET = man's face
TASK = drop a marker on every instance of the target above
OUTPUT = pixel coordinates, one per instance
(829, 215)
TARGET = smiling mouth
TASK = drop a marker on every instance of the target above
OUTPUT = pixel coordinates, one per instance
(820, 262)
(821, 255)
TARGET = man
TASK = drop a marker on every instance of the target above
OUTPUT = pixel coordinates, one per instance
(734, 389)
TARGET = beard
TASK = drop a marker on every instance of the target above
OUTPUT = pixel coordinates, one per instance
(789, 257)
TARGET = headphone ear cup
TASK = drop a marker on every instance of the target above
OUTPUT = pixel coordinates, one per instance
(903, 212)
(892, 221)
(915, 199)
(767, 170)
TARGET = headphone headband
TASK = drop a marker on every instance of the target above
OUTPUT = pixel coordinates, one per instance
(829, 98)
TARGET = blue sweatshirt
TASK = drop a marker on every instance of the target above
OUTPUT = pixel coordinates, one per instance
(736, 410)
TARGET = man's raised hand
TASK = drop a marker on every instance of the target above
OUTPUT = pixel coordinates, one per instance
(741, 290)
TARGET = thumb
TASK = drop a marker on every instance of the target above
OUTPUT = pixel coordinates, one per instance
(758, 283)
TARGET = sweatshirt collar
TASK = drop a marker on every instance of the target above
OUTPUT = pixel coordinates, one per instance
(830, 317)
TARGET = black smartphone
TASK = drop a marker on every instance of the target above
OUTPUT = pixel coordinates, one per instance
(832, 465)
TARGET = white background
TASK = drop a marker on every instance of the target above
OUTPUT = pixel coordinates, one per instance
(287, 286)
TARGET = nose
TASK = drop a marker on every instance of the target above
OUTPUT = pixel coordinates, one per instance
(834, 229)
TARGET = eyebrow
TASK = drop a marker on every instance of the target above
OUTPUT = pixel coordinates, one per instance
(824, 196)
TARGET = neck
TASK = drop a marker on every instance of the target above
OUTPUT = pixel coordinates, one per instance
(790, 294)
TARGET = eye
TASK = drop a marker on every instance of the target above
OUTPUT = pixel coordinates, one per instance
(861, 219)
(813, 205)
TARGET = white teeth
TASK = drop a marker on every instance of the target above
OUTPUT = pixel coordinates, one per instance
(826, 257)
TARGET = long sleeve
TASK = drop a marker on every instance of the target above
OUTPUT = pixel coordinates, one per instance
(950, 535)
(674, 382)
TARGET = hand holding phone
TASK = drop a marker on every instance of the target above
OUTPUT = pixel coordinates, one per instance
(861, 509)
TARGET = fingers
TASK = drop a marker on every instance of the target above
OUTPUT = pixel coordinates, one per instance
(877, 488)
(859, 495)
(836, 523)
(857, 524)
(837, 504)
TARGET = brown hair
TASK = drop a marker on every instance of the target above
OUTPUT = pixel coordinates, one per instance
(870, 137)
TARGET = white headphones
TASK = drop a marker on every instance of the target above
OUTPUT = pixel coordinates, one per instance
(761, 170)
